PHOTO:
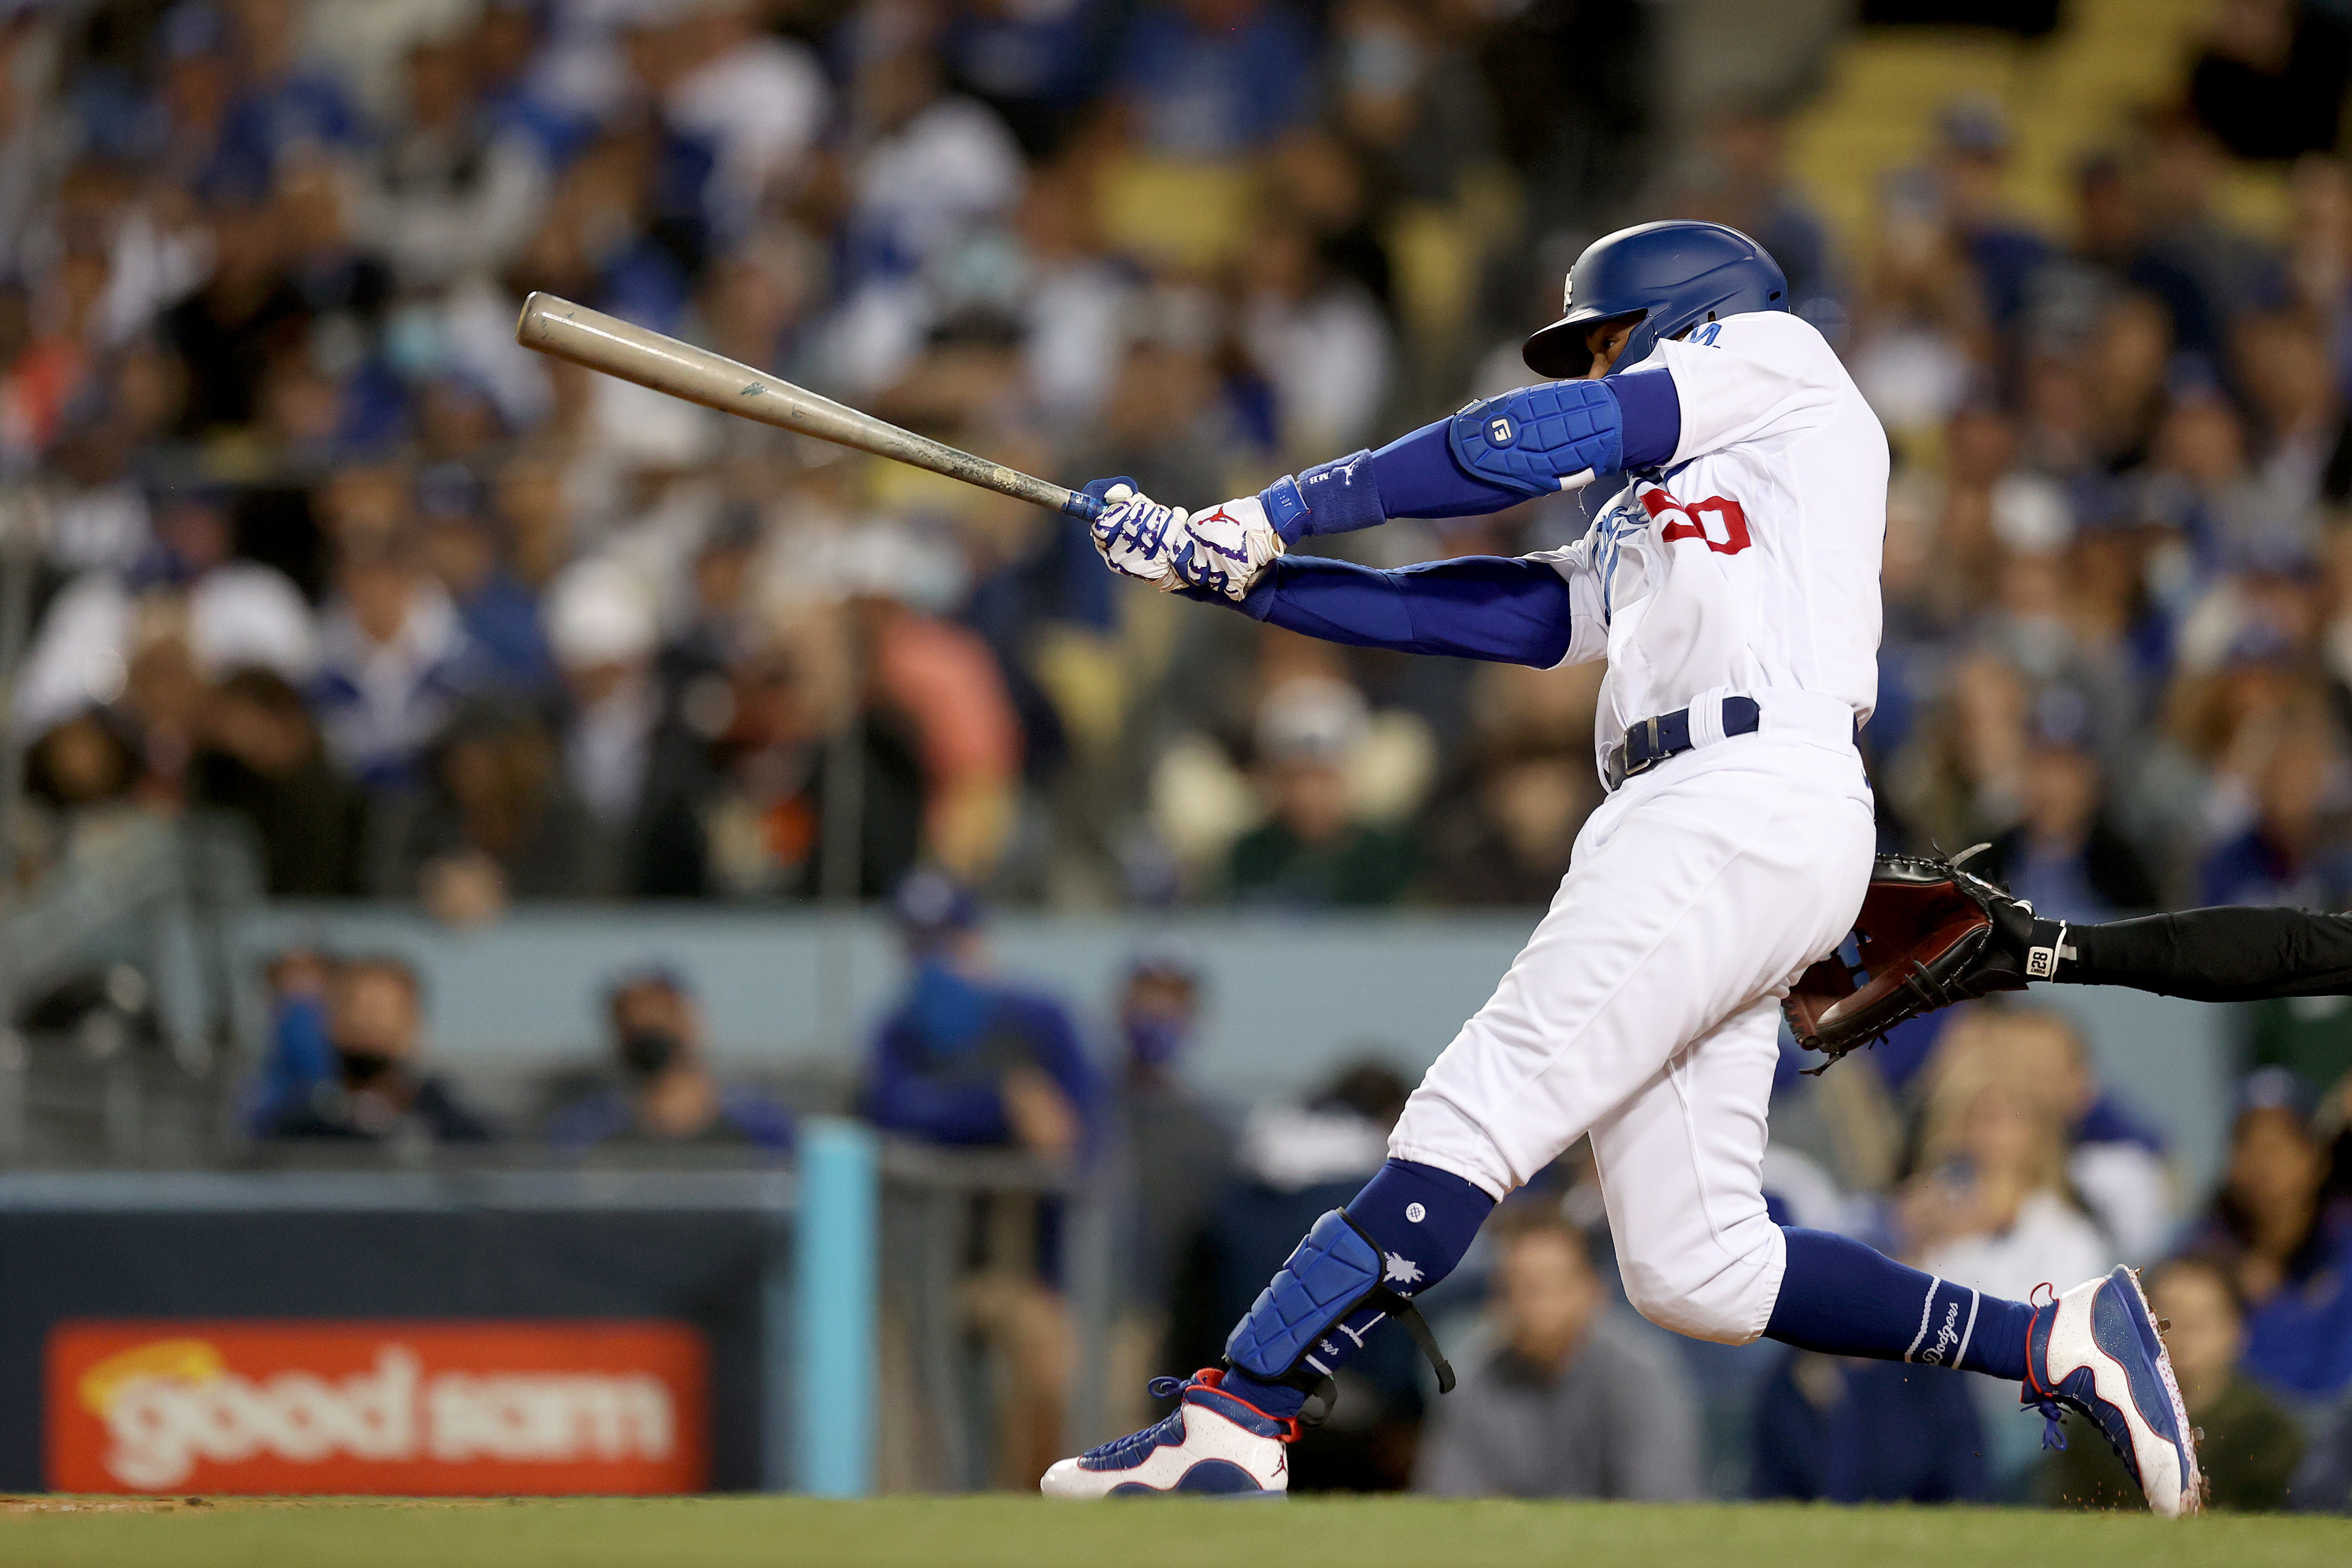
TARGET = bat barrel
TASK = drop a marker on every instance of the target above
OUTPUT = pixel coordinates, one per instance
(603, 343)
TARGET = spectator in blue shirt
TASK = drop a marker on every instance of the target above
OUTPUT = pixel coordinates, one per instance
(395, 660)
(2064, 855)
(1217, 79)
(505, 47)
(380, 1090)
(2286, 1249)
(1972, 163)
(286, 105)
(668, 1096)
(497, 612)
(1036, 63)
(300, 1059)
(967, 1057)
(2290, 853)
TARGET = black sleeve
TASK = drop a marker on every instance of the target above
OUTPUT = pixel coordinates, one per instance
(2231, 953)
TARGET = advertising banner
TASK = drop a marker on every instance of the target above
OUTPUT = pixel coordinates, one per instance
(426, 1407)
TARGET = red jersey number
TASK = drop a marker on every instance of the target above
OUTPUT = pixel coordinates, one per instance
(1717, 521)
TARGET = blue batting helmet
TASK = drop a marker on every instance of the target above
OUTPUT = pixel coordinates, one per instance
(1673, 274)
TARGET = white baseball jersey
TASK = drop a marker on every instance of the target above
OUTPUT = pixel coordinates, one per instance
(1753, 569)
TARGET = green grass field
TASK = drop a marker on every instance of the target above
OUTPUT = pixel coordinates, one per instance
(1022, 1532)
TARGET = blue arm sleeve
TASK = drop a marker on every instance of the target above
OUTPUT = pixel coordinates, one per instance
(1418, 475)
(1652, 416)
(1500, 608)
(1412, 476)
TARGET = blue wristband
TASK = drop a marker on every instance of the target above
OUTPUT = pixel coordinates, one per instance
(1337, 497)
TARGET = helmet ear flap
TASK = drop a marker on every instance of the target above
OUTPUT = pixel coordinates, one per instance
(1639, 344)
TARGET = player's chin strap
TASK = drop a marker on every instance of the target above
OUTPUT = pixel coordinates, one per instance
(1336, 1273)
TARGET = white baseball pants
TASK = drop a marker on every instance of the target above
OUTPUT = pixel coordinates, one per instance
(1644, 1010)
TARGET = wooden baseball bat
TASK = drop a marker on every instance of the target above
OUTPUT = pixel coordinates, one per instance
(558, 327)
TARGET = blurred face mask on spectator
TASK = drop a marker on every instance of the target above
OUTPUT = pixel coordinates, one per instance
(1380, 58)
(648, 1053)
(417, 344)
(657, 1025)
(1548, 1293)
(601, 627)
(1158, 1018)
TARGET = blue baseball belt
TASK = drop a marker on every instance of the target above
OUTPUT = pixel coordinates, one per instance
(1653, 740)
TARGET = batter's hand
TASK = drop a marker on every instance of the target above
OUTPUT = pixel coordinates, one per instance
(1227, 549)
(1135, 535)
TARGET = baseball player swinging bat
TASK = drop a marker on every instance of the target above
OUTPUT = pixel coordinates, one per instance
(585, 337)
(1731, 581)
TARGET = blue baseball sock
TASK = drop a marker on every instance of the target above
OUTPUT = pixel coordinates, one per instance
(1840, 1297)
(1423, 1219)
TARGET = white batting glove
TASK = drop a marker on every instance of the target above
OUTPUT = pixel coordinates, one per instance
(1227, 549)
(1137, 537)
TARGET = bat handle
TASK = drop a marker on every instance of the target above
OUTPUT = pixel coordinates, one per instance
(1083, 506)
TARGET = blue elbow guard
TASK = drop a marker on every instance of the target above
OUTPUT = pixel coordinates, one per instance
(1541, 439)
(1335, 1271)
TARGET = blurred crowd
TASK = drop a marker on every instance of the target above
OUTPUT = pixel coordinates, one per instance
(325, 549)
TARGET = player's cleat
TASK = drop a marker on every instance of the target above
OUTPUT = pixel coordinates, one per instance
(1213, 1442)
(2095, 1350)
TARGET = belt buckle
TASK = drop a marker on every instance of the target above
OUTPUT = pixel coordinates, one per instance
(1622, 765)
(1652, 750)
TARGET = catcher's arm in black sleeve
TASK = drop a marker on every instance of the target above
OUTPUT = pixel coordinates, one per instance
(2231, 953)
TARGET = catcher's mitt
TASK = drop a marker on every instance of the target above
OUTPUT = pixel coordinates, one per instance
(1929, 934)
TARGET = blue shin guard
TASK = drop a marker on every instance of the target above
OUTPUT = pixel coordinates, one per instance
(1336, 1283)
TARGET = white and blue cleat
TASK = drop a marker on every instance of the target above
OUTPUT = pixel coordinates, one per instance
(2095, 1350)
(1212, 1444)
